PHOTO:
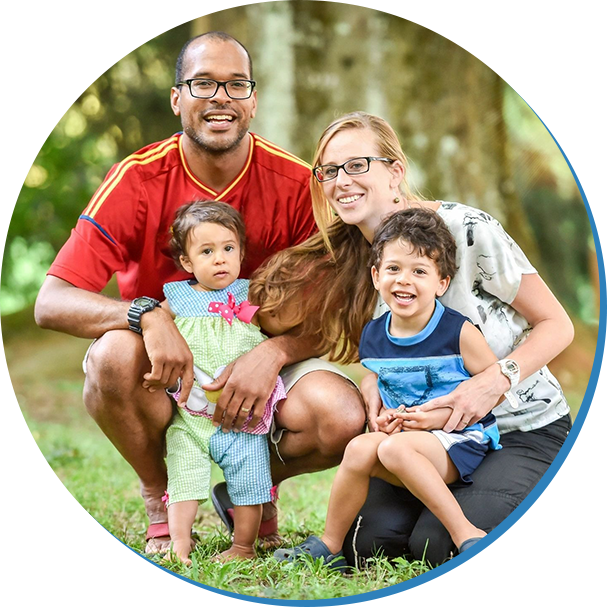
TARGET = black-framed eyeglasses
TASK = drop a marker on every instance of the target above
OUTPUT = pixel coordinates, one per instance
(356, 165)
(238, 89)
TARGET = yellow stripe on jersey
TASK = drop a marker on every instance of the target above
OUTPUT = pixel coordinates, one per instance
(219, 196)
(270, 147)
(113, 180)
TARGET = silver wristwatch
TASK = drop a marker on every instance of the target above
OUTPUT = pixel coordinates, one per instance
(511, 370)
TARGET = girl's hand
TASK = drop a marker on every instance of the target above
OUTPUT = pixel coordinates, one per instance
(373, 401)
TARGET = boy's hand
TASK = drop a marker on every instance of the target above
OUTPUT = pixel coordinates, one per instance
(388, 423)
(373, 401)
(414, 419)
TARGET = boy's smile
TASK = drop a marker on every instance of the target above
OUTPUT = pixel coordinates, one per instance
(409, 284)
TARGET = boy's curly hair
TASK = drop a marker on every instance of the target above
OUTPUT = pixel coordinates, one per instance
(425, 231)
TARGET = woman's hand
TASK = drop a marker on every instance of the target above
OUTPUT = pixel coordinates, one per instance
(373, 401)
(471, 400)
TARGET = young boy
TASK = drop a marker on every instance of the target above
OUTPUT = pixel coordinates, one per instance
(419, 350)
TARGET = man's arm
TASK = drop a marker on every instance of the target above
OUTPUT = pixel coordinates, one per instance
(61, 306)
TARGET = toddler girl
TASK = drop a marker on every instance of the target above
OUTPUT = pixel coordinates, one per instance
(213, 315)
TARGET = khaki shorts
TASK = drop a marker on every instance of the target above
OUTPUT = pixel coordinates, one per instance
(291, 374)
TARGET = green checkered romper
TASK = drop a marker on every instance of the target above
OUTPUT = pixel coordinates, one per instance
(191, 438)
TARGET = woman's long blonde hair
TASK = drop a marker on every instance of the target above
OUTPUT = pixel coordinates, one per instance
(326, 279)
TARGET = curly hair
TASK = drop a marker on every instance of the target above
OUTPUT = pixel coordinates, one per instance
(425, 231)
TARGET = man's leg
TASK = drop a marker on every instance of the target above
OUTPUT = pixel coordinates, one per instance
(323, 412)
(133, 418)
(500, 484)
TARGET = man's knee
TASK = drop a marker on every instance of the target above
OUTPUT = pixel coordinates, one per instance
(340, 412)
(115, 365)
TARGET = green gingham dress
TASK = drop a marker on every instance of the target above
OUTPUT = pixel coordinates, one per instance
(191, 438)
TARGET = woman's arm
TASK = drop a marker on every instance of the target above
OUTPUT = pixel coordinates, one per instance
(552, 331)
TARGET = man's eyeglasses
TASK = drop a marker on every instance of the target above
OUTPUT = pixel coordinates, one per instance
(239, 89)
(357, 165)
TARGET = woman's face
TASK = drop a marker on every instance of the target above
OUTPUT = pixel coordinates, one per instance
(361, 199)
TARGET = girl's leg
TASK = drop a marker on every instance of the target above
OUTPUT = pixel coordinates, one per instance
(246, 519)
(420, 461)
(181, 516)
(351, 485)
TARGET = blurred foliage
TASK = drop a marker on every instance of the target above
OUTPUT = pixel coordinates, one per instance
(471, 137)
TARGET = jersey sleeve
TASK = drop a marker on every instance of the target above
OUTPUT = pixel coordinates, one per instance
(303, 225)
(104, 239)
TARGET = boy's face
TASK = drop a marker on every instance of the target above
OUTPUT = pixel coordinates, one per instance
(408, 283)
(213, 256)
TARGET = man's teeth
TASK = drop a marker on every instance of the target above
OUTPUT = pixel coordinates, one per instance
(348, 200)
(219, 118)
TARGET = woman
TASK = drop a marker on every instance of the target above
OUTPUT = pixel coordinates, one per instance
(360, 177)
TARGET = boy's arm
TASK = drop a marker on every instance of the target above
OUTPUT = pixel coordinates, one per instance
(477, 357)
(476, 353)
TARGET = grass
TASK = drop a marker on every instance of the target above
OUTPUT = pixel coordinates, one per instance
(46, 373)
(45, 369)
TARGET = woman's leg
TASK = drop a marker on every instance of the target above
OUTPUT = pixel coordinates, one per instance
(500, 484)
(424, 467)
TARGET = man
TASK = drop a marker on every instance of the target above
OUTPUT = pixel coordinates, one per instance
(124, 230)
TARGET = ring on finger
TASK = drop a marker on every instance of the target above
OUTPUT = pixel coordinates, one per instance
(245, 409)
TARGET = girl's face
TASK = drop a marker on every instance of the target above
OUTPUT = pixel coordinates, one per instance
(213, 256)
(409, 283)
(361, 199)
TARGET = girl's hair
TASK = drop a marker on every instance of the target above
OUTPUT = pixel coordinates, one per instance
(425, 231)
(192, 214)
(327, 278)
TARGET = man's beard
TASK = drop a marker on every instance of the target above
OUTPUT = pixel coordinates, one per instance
(213, 145)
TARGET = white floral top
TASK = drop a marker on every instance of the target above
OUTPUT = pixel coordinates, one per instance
(490, 269)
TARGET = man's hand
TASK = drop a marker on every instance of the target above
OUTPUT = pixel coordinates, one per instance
(472, 399)
(247, 384)
(168, 352)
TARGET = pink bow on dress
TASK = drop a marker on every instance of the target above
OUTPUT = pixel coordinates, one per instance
(244, 311)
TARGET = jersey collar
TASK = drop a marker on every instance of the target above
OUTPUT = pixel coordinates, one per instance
(217, 195)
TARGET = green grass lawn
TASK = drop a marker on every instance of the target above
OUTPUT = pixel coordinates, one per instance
(46, 373)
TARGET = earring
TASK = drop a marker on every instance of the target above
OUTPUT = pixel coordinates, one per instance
(396, 200)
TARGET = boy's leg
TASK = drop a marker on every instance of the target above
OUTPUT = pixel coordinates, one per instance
(420, 461)
(351, 485)
(500, 484)
(181, 516)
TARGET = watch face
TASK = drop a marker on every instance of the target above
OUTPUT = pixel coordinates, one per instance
(142, 302)
(512, 366)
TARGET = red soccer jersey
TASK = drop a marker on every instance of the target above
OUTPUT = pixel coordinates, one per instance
(124, 229)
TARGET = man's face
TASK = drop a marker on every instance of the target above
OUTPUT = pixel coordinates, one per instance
(218, 124)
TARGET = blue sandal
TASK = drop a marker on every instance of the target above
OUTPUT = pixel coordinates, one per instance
(468, 544)
(314, 548)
